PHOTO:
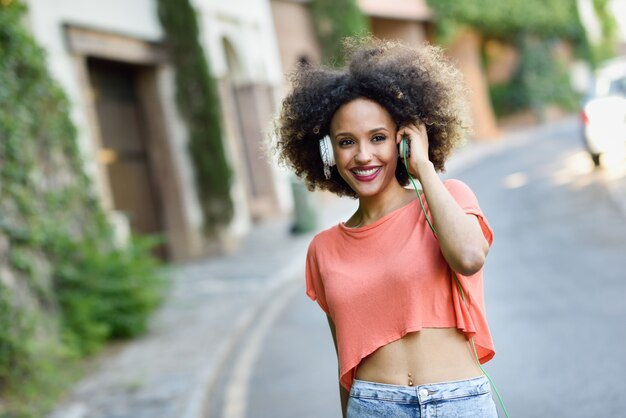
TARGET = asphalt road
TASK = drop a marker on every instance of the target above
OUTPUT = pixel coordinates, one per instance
(555, 287)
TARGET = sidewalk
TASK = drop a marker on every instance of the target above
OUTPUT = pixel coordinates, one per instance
(170, 372)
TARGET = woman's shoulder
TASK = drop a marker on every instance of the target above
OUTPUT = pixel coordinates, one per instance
(459, 189)
(325, 236)
(453, 183)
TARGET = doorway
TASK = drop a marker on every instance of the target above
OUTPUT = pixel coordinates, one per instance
(125, 148)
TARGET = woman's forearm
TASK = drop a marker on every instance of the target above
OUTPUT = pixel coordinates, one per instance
(460, 237)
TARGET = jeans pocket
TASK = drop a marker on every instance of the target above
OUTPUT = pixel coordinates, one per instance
(374, 408)
(361, 408)
(475, 406)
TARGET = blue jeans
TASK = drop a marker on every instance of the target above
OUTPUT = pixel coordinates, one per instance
(464, 398)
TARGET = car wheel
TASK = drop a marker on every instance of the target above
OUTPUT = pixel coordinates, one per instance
(596, 159)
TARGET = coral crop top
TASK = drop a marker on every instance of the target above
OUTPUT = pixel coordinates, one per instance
(381, 281)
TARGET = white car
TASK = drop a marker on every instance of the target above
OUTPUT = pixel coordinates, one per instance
(604, 112)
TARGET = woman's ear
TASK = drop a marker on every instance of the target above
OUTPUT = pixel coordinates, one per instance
(398, 136)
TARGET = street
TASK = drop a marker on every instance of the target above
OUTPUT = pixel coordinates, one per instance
(554, 287)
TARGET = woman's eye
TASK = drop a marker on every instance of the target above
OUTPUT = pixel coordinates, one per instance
(379, 138)
(345, 142)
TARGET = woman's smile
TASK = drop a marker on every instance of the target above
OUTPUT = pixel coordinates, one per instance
(367, 173)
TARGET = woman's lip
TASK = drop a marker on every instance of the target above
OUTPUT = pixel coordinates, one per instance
(369, 177)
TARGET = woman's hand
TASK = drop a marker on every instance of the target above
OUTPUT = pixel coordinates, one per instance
(418, 144)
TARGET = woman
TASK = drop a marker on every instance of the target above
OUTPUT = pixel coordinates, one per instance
(399, 320)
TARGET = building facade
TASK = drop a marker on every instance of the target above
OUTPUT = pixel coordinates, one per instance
(110, 59)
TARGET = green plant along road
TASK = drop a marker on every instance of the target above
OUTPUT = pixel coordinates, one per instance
(65, 288)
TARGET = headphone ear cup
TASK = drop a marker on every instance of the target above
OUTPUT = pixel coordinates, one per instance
(328, 158)
(404, 148)
(326, 151)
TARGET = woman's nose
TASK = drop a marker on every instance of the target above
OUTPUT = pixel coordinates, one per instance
(363, 155)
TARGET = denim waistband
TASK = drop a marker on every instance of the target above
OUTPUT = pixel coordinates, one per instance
(420, 394)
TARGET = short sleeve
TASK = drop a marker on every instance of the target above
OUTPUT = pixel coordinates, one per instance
(467, 200)
(314, 284)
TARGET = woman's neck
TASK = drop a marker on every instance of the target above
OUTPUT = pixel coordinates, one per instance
(373, 208)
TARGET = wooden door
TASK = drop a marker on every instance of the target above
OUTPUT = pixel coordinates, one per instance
(124, 145)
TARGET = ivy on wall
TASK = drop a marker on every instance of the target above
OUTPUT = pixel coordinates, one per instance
(65, 288)
(335, 20)
(197, 98)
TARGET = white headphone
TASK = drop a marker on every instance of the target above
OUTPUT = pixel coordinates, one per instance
(328, 158)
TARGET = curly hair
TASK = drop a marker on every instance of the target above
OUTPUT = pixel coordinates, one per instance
(411, 84)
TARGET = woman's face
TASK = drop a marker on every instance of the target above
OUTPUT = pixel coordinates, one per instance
(364, 141)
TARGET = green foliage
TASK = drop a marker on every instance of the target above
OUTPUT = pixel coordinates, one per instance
(198, 101)
(33, 369)
(105, 295)
(607, 47)
(67, 288)
(508, 19)
(334, 21)
(540, 79)
(532, 26)
(15, 351)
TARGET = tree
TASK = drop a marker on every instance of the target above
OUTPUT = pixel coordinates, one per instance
(334, 21)
(532, 27)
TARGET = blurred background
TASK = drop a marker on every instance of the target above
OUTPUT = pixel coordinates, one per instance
(152, 250)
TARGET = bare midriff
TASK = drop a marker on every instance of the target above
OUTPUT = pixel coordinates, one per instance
(431, 355)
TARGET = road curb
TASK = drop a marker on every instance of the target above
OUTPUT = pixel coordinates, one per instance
(198, 405)
(238, 384)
